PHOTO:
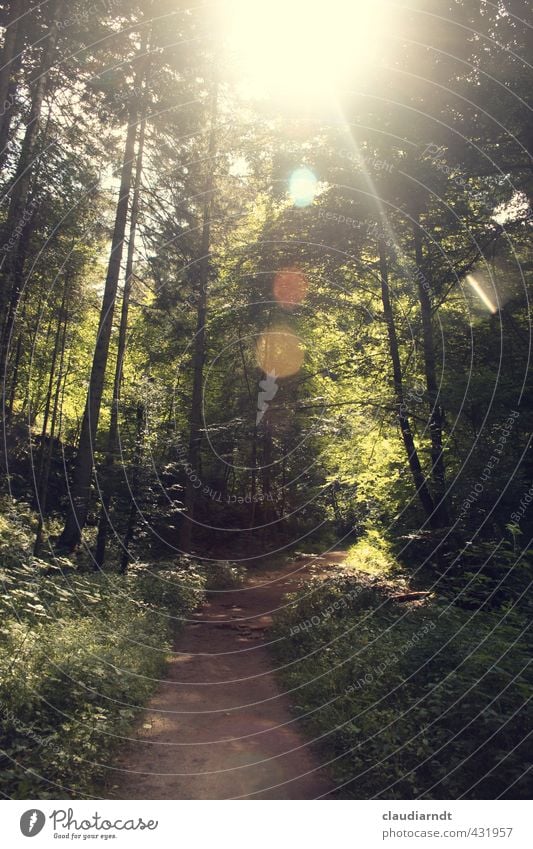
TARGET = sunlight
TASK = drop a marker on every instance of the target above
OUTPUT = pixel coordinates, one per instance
(303, 186)
(301, 50)
(482, 295)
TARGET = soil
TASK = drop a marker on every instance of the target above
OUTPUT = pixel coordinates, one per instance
(219, 727)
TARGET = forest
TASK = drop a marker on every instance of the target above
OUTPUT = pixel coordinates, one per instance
(265, 340)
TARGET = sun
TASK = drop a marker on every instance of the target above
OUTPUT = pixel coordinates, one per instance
(301, 50)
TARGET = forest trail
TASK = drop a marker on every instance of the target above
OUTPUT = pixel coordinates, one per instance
(218, 727)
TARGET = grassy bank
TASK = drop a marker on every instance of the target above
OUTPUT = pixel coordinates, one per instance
(407, 698)
(80, 655)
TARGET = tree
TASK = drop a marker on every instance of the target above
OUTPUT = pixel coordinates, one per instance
(201, 286)
(20, 214)
(113, 435)
(81, 485)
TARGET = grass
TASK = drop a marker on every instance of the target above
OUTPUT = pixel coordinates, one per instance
(373, 555)
(80, 655)
(417, 699)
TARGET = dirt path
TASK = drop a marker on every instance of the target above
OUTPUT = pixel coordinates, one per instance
(218, 726)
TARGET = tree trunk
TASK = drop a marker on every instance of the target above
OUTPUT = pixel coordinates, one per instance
(436, 413)
(46, 456)
(195, 417)
(10, 63)
(60, 331)
(132, 518)
(19, 214)
(267, 513)
(112, 439)
(522, 10)
(16, 364)
(253, 487)
(81, 485)
(403, 419)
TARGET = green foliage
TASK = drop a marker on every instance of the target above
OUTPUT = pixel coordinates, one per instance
(167, 587)
(372, 553)
(489, 576)
(408, 700)
(223, 575)
(16, 532)
(70, 689)
(79, 656)
(408, 203)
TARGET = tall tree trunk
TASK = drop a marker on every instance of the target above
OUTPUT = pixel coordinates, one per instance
(10, 63)
(40, 371)
(112, 439)
(436, 413)
(81, 485)
(403, 418)
(522, 10)
(20, 214)
(16, 364)
(47, 453)
(60, 330)
(195, 417)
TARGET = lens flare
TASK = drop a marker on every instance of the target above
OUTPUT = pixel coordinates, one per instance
(290, 287)
(482, 295)
(302, 187)
(279, 352)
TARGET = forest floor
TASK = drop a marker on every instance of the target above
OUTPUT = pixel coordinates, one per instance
(218, 727)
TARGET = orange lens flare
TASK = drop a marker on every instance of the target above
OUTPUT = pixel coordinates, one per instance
(279, 352)
(290, 288)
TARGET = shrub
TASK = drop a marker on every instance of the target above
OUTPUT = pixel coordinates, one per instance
(371, 553)
(69, 688)
(79, 656)
(409, 700)
(223, 575)
(167, 587)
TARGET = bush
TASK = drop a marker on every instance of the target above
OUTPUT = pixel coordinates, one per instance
(80, 655)
(69, 688)
(372, 554)
(223, 575)
(409, 699)
(170, 588)
(17, 533)
(487, 575)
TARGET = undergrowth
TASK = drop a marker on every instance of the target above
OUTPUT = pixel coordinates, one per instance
(424, 699)
(80, 654)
